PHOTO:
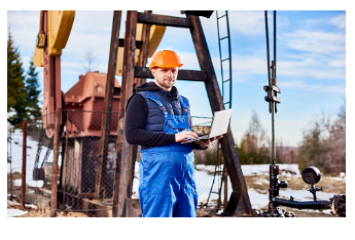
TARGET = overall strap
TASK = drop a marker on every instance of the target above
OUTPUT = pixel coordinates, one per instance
(155, 99)
(184, 103)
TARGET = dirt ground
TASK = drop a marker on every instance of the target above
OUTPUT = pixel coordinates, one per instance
(330, 184)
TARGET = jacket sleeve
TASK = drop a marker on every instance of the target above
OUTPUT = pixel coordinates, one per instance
(136, 115)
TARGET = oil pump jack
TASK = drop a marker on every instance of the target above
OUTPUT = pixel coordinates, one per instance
(55, 27)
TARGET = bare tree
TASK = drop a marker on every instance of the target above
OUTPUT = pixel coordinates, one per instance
(253, 149)
(90, 61)
(257, 131)
(324, 144)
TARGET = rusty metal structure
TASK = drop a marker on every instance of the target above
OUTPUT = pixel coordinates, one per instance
(88, 94)
(239, 202)
(105, 121)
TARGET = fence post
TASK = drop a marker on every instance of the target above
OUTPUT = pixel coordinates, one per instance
(54, 183)
(24, 153)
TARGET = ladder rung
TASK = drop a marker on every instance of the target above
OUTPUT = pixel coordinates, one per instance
(223, 38)
(221, 16)
(225, 59)
(226, 102)
(226, 80)
(215, 192)
(190, 75)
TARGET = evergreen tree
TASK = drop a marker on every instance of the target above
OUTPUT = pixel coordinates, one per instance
(33, 91)
(16, 93)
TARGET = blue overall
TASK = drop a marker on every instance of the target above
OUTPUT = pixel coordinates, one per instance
(166, 173)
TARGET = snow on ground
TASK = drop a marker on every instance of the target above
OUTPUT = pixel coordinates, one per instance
(31, 151)
(16, 203)
(259, 199)
(203, 173)
(15, 212)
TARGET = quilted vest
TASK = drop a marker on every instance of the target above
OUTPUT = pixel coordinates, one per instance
(155, 118)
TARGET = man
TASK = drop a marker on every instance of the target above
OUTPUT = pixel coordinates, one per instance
(158, 119)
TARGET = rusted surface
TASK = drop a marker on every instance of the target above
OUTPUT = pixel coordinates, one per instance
(188, 75)
(229, 152)
(24, 154)
(124, 163)
(54, 182)
(108, 101)
(52, 95)
(41, 22)
(164, 20)
(143, 55)
(142, 61)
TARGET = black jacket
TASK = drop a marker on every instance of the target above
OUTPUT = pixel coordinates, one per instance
(136, 115)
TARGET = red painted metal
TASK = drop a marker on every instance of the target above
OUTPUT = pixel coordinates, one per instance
(24, 153)
(88, 95)
(52, 95)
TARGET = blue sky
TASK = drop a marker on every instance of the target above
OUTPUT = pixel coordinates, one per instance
(311, 61)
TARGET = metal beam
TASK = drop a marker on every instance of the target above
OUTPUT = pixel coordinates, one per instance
(164, 20)
(189, 75)
(54, 182)
(228, 146)
(106, 115)
(122, 188)
(138, 43)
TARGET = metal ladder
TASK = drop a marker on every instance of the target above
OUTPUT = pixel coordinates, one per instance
(227, 104)
(229, 58)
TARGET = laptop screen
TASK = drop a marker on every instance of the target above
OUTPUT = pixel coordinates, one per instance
(220, 123)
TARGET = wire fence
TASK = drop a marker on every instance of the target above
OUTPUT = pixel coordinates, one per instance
(78, 162)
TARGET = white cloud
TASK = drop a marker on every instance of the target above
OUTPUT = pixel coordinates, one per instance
(338, 21)
(325, 43)
(296, 84)
(247, 22)
(24, 26)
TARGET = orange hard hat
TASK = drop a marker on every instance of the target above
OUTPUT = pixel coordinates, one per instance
(165, 58)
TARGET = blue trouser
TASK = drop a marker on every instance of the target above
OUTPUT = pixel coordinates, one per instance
(167, 182)
(166, 173)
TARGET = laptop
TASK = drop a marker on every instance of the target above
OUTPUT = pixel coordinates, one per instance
(219, 126)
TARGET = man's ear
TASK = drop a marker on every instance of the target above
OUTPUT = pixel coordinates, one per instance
(153, 70)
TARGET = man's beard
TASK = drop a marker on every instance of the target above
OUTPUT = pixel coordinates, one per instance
(165, 84)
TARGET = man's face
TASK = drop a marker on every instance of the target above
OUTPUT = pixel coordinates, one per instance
(165, 77)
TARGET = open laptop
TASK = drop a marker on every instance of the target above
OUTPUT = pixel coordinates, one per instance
(219, 126)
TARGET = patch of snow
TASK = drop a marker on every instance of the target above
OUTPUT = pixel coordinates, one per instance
(31, 152)
(261, 182)
(257, 200)
(16, 203)
(339, 179)
(15, 212)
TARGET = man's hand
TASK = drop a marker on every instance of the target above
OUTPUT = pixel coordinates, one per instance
(206, 143)
(182, 136)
